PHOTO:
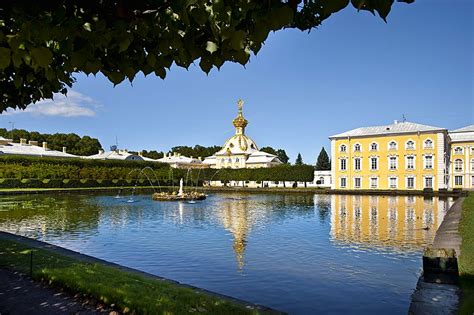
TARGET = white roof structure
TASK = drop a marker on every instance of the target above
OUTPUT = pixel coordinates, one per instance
(23, 148)
(114, 155)
(462, 134)
(260, 157)
(177, 160)
(395, 128)
(210, 160)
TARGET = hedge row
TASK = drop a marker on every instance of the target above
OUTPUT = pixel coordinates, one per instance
(75, 183)
(21, 171)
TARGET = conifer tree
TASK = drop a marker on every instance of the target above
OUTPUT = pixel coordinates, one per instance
(323, 163)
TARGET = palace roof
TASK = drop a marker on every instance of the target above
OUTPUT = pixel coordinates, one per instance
(464, 129)
(464, 134)
(32, 150)
(395, 128)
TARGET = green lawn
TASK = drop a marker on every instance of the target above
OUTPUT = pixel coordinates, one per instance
(466, 260)
(131, 293)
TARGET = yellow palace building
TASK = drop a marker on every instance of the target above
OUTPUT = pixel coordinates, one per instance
(461, 166)
(399, 156)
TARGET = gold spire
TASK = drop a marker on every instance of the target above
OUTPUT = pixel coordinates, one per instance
(240, 121)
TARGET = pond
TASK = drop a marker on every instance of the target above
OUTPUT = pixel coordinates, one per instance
(294, 252)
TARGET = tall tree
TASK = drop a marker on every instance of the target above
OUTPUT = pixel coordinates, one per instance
(299, 160)
(323, 163)
(43, 43)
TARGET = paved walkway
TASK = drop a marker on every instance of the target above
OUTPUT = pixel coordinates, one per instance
(20, 295)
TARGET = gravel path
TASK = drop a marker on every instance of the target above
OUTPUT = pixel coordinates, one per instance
(21, 295)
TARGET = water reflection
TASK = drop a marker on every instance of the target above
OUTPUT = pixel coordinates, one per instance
(394, 222)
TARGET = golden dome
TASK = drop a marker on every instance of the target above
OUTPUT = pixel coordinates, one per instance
(240, 121)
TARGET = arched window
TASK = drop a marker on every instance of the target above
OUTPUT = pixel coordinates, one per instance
(428, 144)
(321, 180)
(343, 148)
(472, 165)
(410, 145)
(458, 165)
(237, 160)
(356, 147)
(458, 150)
(373, 146)
(392, 145)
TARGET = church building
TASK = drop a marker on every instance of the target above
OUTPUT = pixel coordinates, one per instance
(240, 151)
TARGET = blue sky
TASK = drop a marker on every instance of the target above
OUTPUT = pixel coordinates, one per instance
(353, 71)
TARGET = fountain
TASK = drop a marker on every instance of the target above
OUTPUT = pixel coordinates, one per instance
(179, 196)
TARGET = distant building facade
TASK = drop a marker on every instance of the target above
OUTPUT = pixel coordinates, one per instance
(461, 168)
(240, 151)
(176, 160)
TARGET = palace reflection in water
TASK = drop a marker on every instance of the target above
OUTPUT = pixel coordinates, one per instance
(294, 252)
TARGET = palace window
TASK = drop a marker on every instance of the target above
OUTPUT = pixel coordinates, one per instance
(357, 164)
(356, 147)
(410, 182)
(374, 182)
(321, 180)
(428, 182)
(343, 164)
(236, 160)
(428, 144)
(458, 150)
(429, 162)
(472, 165)
(458, 180)
(373, 164)
(392, 145)
(343, 182)
(472, 180)
(393, 162)
(357, 182)
(393, 182)
(373, 146)
(410, 145)
(343, 148)
(410, 162)
(458, 165)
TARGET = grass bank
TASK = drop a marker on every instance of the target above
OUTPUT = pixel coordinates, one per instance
(466, 260)
(129, 292)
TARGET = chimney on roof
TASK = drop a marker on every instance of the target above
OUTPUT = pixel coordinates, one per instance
(45, 145)
(175, 154)
(395, 122)
(22, 141)
(200, 158)
(140, 153)
(64, 150)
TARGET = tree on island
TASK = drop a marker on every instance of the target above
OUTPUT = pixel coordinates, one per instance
(299, 160)
(43, 43)
(280, 153)
(323, 163)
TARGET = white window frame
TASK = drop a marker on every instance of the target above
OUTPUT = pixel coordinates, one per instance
(407, 164)
(458, 150)
(425, 181)
(343, 148)
(407, 147)
(376, 146)
(390, 163)
(376, 182)
(357, 145)
(355, 182)
(425, 160)
(456, 168)
(355, 164)
(390, 182)
(472, 165)
(458, 180)
(472, 180)
(341, 179)
(431, 146)
(376, 162)
(389, 145)
(343, 162)
(407, 181)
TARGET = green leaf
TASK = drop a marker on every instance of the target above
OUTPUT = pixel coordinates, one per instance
(333, 6)
(87, 26)
(115, 77)
(5, 57)
(237, 41)
(42, 56)
(211, 47)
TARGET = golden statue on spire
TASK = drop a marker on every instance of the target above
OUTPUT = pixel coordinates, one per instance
(240, 105)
